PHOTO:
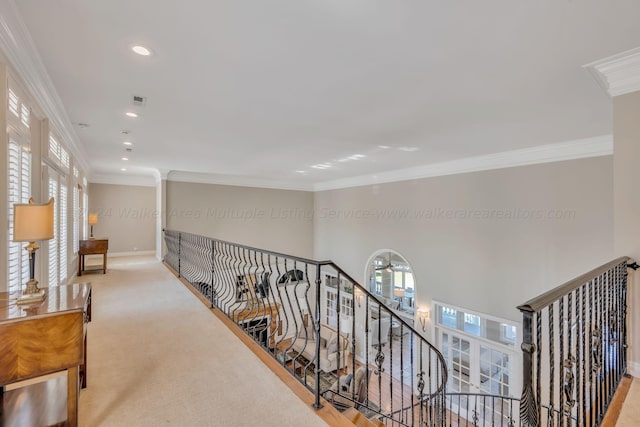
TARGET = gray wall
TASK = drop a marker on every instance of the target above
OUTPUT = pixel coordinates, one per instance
(486, 241)
(278, 220)
(626, 134)
(127, 216)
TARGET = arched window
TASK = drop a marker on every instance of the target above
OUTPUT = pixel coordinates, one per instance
(391, 278)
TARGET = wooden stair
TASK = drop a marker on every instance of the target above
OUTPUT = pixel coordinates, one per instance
(356, 417)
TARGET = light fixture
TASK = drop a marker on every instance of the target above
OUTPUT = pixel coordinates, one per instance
(131, 114)
(127, 143)
(423, 316)
(125, 158)
(93, 220)
(123, 169)
(399, 294)
(32, 222)
(141, 50)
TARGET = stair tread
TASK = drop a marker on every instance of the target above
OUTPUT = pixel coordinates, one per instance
(358, 419)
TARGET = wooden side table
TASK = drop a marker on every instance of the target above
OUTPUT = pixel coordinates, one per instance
(40, 339)
(93, 247)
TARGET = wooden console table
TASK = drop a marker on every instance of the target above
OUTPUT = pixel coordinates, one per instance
(41, 339)
(93, 247)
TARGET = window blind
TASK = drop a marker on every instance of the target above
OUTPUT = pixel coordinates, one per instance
(53, 243)
(19, 173)
(76, 218)
(63, 232)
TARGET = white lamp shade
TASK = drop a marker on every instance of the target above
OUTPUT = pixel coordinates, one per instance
(32, 222)
(93, 218)
(398, 292)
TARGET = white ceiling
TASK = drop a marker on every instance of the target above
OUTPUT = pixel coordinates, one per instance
(263, 89)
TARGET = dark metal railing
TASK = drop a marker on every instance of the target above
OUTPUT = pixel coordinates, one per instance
(338, 339)
(474, 409)
(574, 348)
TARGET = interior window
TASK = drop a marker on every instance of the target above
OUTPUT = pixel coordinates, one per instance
(390, 278)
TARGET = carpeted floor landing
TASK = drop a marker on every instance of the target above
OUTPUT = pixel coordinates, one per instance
(157, 356)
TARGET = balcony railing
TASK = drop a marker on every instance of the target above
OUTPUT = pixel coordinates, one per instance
(338, 339)
(575, 348)
(351, 350)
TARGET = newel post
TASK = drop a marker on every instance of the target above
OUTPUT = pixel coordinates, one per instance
(528, 404)
(316, 326)
(213, 273)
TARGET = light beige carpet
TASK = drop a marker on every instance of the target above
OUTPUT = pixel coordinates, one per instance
(158, 356)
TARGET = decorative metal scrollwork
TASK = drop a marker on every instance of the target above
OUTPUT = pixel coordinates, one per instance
(379, 362)
(596, 350)
(568, 385)
(551, 419)
(421, 383)
(475, 418)
(613, 323)
(511, 422)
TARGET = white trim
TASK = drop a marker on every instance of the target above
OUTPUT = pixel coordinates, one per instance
(578, 149)
(633, 368)
(134, 180)
(618, 74)
(242, 181)
(130, 253)
(22, 54)
(571, 150)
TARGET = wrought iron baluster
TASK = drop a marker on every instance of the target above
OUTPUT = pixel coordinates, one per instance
(561, 358)
(528, 404)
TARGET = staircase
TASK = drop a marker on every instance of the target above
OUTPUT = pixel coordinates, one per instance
(321, 325)
(335, 338)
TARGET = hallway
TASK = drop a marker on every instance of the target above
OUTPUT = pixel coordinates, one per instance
(158, 356)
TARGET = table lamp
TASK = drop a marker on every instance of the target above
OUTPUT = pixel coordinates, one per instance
(32, 222)
(399, 294)
(93, 220)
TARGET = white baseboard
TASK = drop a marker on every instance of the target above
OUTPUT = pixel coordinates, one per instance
(633, 368)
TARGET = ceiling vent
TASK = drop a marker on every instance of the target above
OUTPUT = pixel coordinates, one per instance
(139, 101)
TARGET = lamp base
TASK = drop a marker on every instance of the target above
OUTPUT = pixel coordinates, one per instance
(32, 298)
(32, 294)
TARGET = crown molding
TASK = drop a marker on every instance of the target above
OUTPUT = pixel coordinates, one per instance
(132, 180)
(618, 74)
(578, 149)
(23, 56)
(240, 181)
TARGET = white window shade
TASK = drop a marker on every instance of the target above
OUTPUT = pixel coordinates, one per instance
(85, 210)
(14, 103)
(19, 173)
(25, 116)
(52, 245)
(76, 218)
(58, 154)
(63, 232)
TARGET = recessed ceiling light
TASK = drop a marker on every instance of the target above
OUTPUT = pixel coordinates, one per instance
(131, 114)
(322, 166)
(125, 158)
(128, 143)
(141, 50)
(384, 147)
(123, 169)
(301, 172)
